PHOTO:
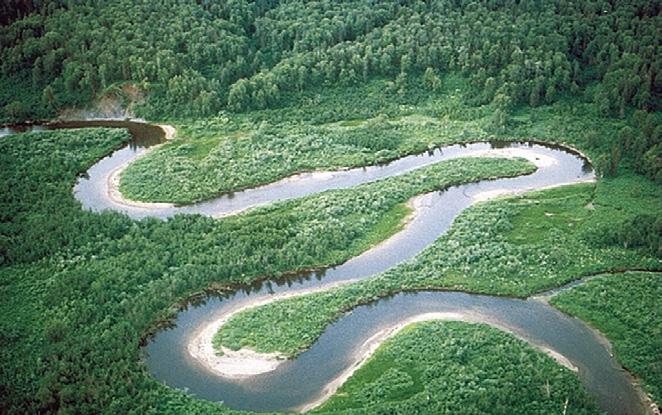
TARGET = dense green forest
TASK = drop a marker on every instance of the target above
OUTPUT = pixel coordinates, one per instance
(198, 58)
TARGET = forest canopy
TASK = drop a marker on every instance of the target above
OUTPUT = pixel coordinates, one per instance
(173, 59)
(198, 57)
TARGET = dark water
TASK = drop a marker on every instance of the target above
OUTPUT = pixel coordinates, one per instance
(142, 135)
(16, 129)
(299, 381)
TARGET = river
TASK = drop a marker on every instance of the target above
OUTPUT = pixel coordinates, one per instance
(294, 384)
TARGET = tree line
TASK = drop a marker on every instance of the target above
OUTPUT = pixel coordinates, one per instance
(196, 58)
(205, 56)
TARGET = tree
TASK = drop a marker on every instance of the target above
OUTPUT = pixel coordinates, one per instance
(614, 158)
(502, 106)
(651, 164)
(238, 96)
(48, 97)
(431, 79)
(626, 137)
(15, 110)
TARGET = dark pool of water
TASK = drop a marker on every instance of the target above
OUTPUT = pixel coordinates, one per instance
(142, 135)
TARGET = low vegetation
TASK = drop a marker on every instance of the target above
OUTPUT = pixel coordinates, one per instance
(84, 289)
(516, 246)
(357, 127)
(626, 309)
(458, 361)
(234, 151)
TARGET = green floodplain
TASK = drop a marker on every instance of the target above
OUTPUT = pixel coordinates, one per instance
(259, 90)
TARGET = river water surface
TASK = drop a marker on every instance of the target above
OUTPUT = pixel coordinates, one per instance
(300, 381)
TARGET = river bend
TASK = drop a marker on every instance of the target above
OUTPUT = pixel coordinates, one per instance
(293, 385)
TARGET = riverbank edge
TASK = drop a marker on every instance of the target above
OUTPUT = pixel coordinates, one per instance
(370, 346)
(114, 177)
(200, 345)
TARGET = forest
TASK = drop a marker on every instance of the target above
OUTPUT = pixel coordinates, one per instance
(240, 55)
(259, 90)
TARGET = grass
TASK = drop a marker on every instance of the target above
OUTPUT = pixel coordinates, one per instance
(391, 223)
(626, 309)
(562, 211)
(450, 367)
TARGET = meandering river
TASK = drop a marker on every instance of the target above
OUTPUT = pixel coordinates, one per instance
(296, 383)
